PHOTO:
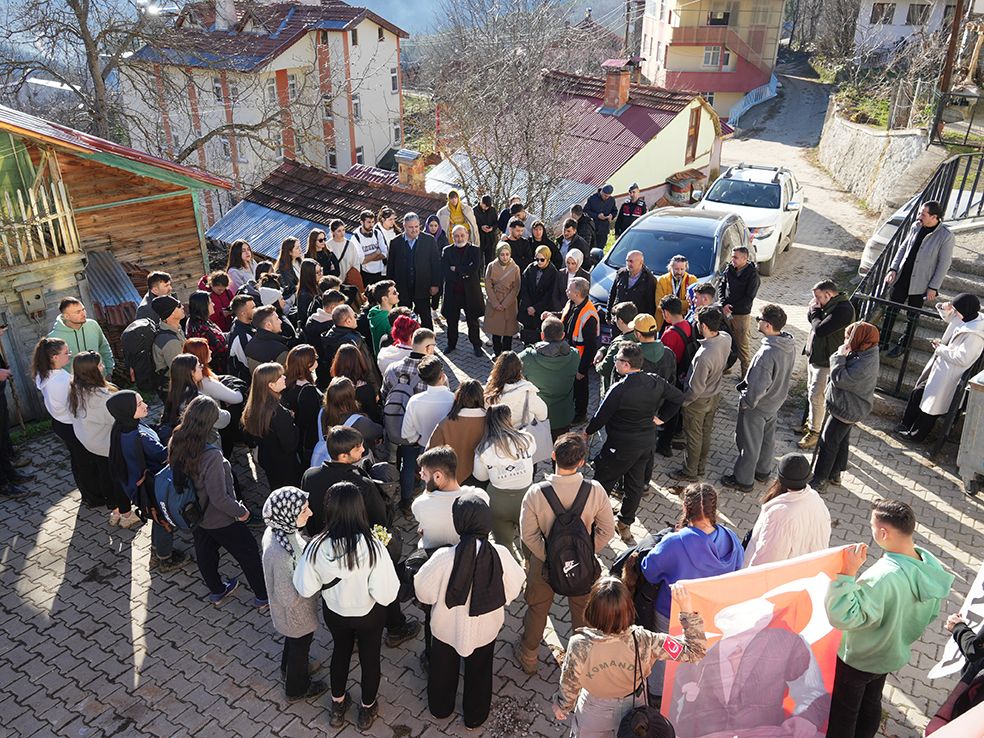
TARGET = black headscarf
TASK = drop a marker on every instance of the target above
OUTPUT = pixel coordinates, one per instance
(122, 406)
(967, 305)
(477, 568)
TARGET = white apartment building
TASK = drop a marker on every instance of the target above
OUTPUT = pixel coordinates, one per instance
(249, 84)
(883, 24)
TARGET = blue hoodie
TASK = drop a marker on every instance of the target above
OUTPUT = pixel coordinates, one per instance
(690, 554)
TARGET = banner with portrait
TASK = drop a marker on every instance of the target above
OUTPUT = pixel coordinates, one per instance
(771, 653)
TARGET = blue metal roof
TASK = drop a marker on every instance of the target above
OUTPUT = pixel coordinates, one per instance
(265, 229)
(109, 284)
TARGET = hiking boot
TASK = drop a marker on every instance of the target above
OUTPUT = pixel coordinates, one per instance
(809, 440)
(820, 486)
(682, 475)
(366, 715)
(338, 709)
(729, 481)
(409, 631)
(230, 587)
(625, 532)
(835, 479)
(527, 662)
(315, 689)
(176, 560)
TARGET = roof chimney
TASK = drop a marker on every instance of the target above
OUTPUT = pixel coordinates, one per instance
(617, 82)
(225, 15)
(411, 169)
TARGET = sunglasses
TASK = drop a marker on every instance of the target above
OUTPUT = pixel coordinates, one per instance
(321, 240)
(541, 261)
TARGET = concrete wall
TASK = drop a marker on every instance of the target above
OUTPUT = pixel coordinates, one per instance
(869, 162)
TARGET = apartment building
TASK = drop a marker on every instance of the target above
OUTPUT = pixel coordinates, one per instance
(235, 87)
(882, 25)
(724, 49)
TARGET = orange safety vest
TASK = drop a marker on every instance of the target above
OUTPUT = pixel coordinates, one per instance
(588, 311)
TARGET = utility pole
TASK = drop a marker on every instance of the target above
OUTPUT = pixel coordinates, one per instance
(628, 22)
(951, 51)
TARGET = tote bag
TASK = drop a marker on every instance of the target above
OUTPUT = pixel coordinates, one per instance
(540, 430)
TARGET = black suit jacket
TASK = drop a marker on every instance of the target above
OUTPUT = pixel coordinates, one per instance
(426, 267)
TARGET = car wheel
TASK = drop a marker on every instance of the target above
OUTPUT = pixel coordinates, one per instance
(765, 267)
(792, 236)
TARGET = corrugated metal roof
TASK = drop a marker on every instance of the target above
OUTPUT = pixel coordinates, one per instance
(367, 173)
(264, 228)
(30, 126)
(115, 297)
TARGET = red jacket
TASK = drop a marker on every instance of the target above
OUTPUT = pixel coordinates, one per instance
(672, 340)
(222, 317)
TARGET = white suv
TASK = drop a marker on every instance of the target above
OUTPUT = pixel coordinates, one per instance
(767, 198)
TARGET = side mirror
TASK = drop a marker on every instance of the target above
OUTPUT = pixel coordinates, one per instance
(792, 206)
(697, 195)
(596, 256)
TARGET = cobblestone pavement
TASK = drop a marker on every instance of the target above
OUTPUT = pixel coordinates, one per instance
(96, 644)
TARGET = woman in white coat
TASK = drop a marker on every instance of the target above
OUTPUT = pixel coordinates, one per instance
(958, 350)
(507, 386)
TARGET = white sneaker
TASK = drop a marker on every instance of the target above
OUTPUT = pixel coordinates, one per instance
(129, 520)
(114, 518)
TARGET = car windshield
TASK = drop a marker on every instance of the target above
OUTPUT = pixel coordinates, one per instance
(658, 247)
(745, 194)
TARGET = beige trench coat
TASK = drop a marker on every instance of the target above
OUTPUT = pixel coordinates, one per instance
(502, 289)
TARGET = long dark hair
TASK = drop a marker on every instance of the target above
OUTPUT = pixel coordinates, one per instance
(198, 306)
(263, 402)
(507, 369)
(312, 245)
(339, 403)
(285, 262)
(350, 362)
(182, 387)
(44, 352)
(300, 359)
(188, 439)
(86, 378)
(309, 276)
(346, 522)
(470, 396)
(236, 255)
(699, 503)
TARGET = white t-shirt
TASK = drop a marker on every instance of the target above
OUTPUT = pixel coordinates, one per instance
(55, 391)
(432, 511)
(352, 258)
(369, 245)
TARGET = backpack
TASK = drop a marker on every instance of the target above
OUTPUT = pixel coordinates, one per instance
(178, 502)
(395, 408)
(571, 563)
(690, 346)
(137, 342)
(644, 596)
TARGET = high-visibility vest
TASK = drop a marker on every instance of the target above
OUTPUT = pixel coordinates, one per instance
(588, 311)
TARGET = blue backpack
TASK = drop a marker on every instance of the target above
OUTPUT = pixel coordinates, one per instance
(178, 503)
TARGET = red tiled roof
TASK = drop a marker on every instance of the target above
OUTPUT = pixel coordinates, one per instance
(649, 96)
(31, 126)
(320, 196)
(367, 173)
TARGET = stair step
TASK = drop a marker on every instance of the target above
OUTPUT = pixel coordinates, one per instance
(969, 267)
(955, 283)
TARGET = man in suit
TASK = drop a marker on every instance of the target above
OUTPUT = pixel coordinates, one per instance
(414, 263)
(917, 271)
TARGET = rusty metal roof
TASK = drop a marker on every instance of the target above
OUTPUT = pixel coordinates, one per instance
(114, 296)
(373, 174)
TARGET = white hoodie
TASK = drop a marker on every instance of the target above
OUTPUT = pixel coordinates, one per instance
(523, 396)
(358, 589)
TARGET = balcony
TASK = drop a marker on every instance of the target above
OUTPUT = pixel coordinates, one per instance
(746, 76)
(726, 36)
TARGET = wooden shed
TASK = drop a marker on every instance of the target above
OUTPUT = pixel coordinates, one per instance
(65, 195)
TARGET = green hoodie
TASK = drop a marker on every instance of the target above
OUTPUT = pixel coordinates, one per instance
(885, 610)
(552, 367)
(87, 338)
(379, 326)
(607, 366)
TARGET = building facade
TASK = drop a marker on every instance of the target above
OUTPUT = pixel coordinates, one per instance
(235, 88)
(723, 49)
(881, 25)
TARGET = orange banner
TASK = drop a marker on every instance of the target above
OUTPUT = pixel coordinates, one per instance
(771, 653)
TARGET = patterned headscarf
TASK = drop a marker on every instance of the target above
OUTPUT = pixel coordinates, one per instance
(280, 513)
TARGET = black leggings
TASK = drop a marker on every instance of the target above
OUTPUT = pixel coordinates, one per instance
(294, 664)
(239, 542)
(442, 682)
(915, 419)
(501, 344)
(345, 632)
(92, 495)
(835, 443)
(855, 703)
(96, 476)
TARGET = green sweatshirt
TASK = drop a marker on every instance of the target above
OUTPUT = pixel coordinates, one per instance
(379, 326)
(886, 609)
(87, 338)
(607, 365)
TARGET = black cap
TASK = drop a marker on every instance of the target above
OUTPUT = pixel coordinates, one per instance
(794, 471)
(164, 306)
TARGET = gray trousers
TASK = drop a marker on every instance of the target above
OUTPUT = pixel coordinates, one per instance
(755, 437)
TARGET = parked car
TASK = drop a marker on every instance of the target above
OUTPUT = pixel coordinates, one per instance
(767, 198)
(705, 237)
(962, 204)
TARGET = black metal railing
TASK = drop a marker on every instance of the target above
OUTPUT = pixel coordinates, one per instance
(957, 121)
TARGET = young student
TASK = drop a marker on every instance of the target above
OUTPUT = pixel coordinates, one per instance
(271, 425)
(217, 286)
(318, 325)
(81, 333)
(294, 617)
(194, 461)
(507, 386)
(428, 408)
(464, 426)
(201, 325)
(882, 613)
(303, 398)
(230, 399)
(187, 374)
(536, 518)
(384, 298)
(158, 283)
(240, 334)
(356, 578)
(468, 587)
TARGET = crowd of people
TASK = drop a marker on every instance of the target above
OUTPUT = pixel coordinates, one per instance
(325, 364)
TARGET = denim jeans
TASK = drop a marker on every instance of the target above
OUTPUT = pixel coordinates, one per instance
(161, 541)
(406, 459)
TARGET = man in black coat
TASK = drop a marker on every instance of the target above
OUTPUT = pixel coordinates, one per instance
(571, 239)
(584, 227)
(631, 210)
(630, 410)
(345, 329)
(634, 283)
(268, 343)
(738, 287)
(414, 263)
(520, 246)
(602, 209)
(462, 265)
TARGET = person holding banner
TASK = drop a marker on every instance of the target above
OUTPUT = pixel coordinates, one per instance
(882, 613)
(606, 663)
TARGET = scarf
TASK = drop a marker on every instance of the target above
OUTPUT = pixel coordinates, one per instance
(122, 406)
(280, 513)
(457, 215)
(477, 568)
(967, 305)
(578, 257)
(863, 337)
(426, 230)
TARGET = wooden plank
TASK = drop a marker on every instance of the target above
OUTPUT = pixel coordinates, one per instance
(51, 219)
(27, 228)
(62, 220)
(11, 214)
(38, 224)
(69, 215)
(6, 248)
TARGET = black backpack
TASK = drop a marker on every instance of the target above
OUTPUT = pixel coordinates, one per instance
(690, 346)
(137, 342)
(572, 567)
(645, 593)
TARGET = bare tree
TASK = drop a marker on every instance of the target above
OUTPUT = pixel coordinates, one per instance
(503, 118)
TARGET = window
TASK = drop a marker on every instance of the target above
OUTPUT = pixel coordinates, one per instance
(322, 37)
(217, 89)
(271, 91)
(917, 15)
(719, 18)
(332, 159)
(381, 34)
(948, 11)
(394, 79)
(355, 36)
(713, 56)
(360, 155)
(356, 107)
(709, 96)
(397, 133)
(291, 87)
(693, 130)
(234, 91)
(327, 107)
(882, 13)
(226, 148)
